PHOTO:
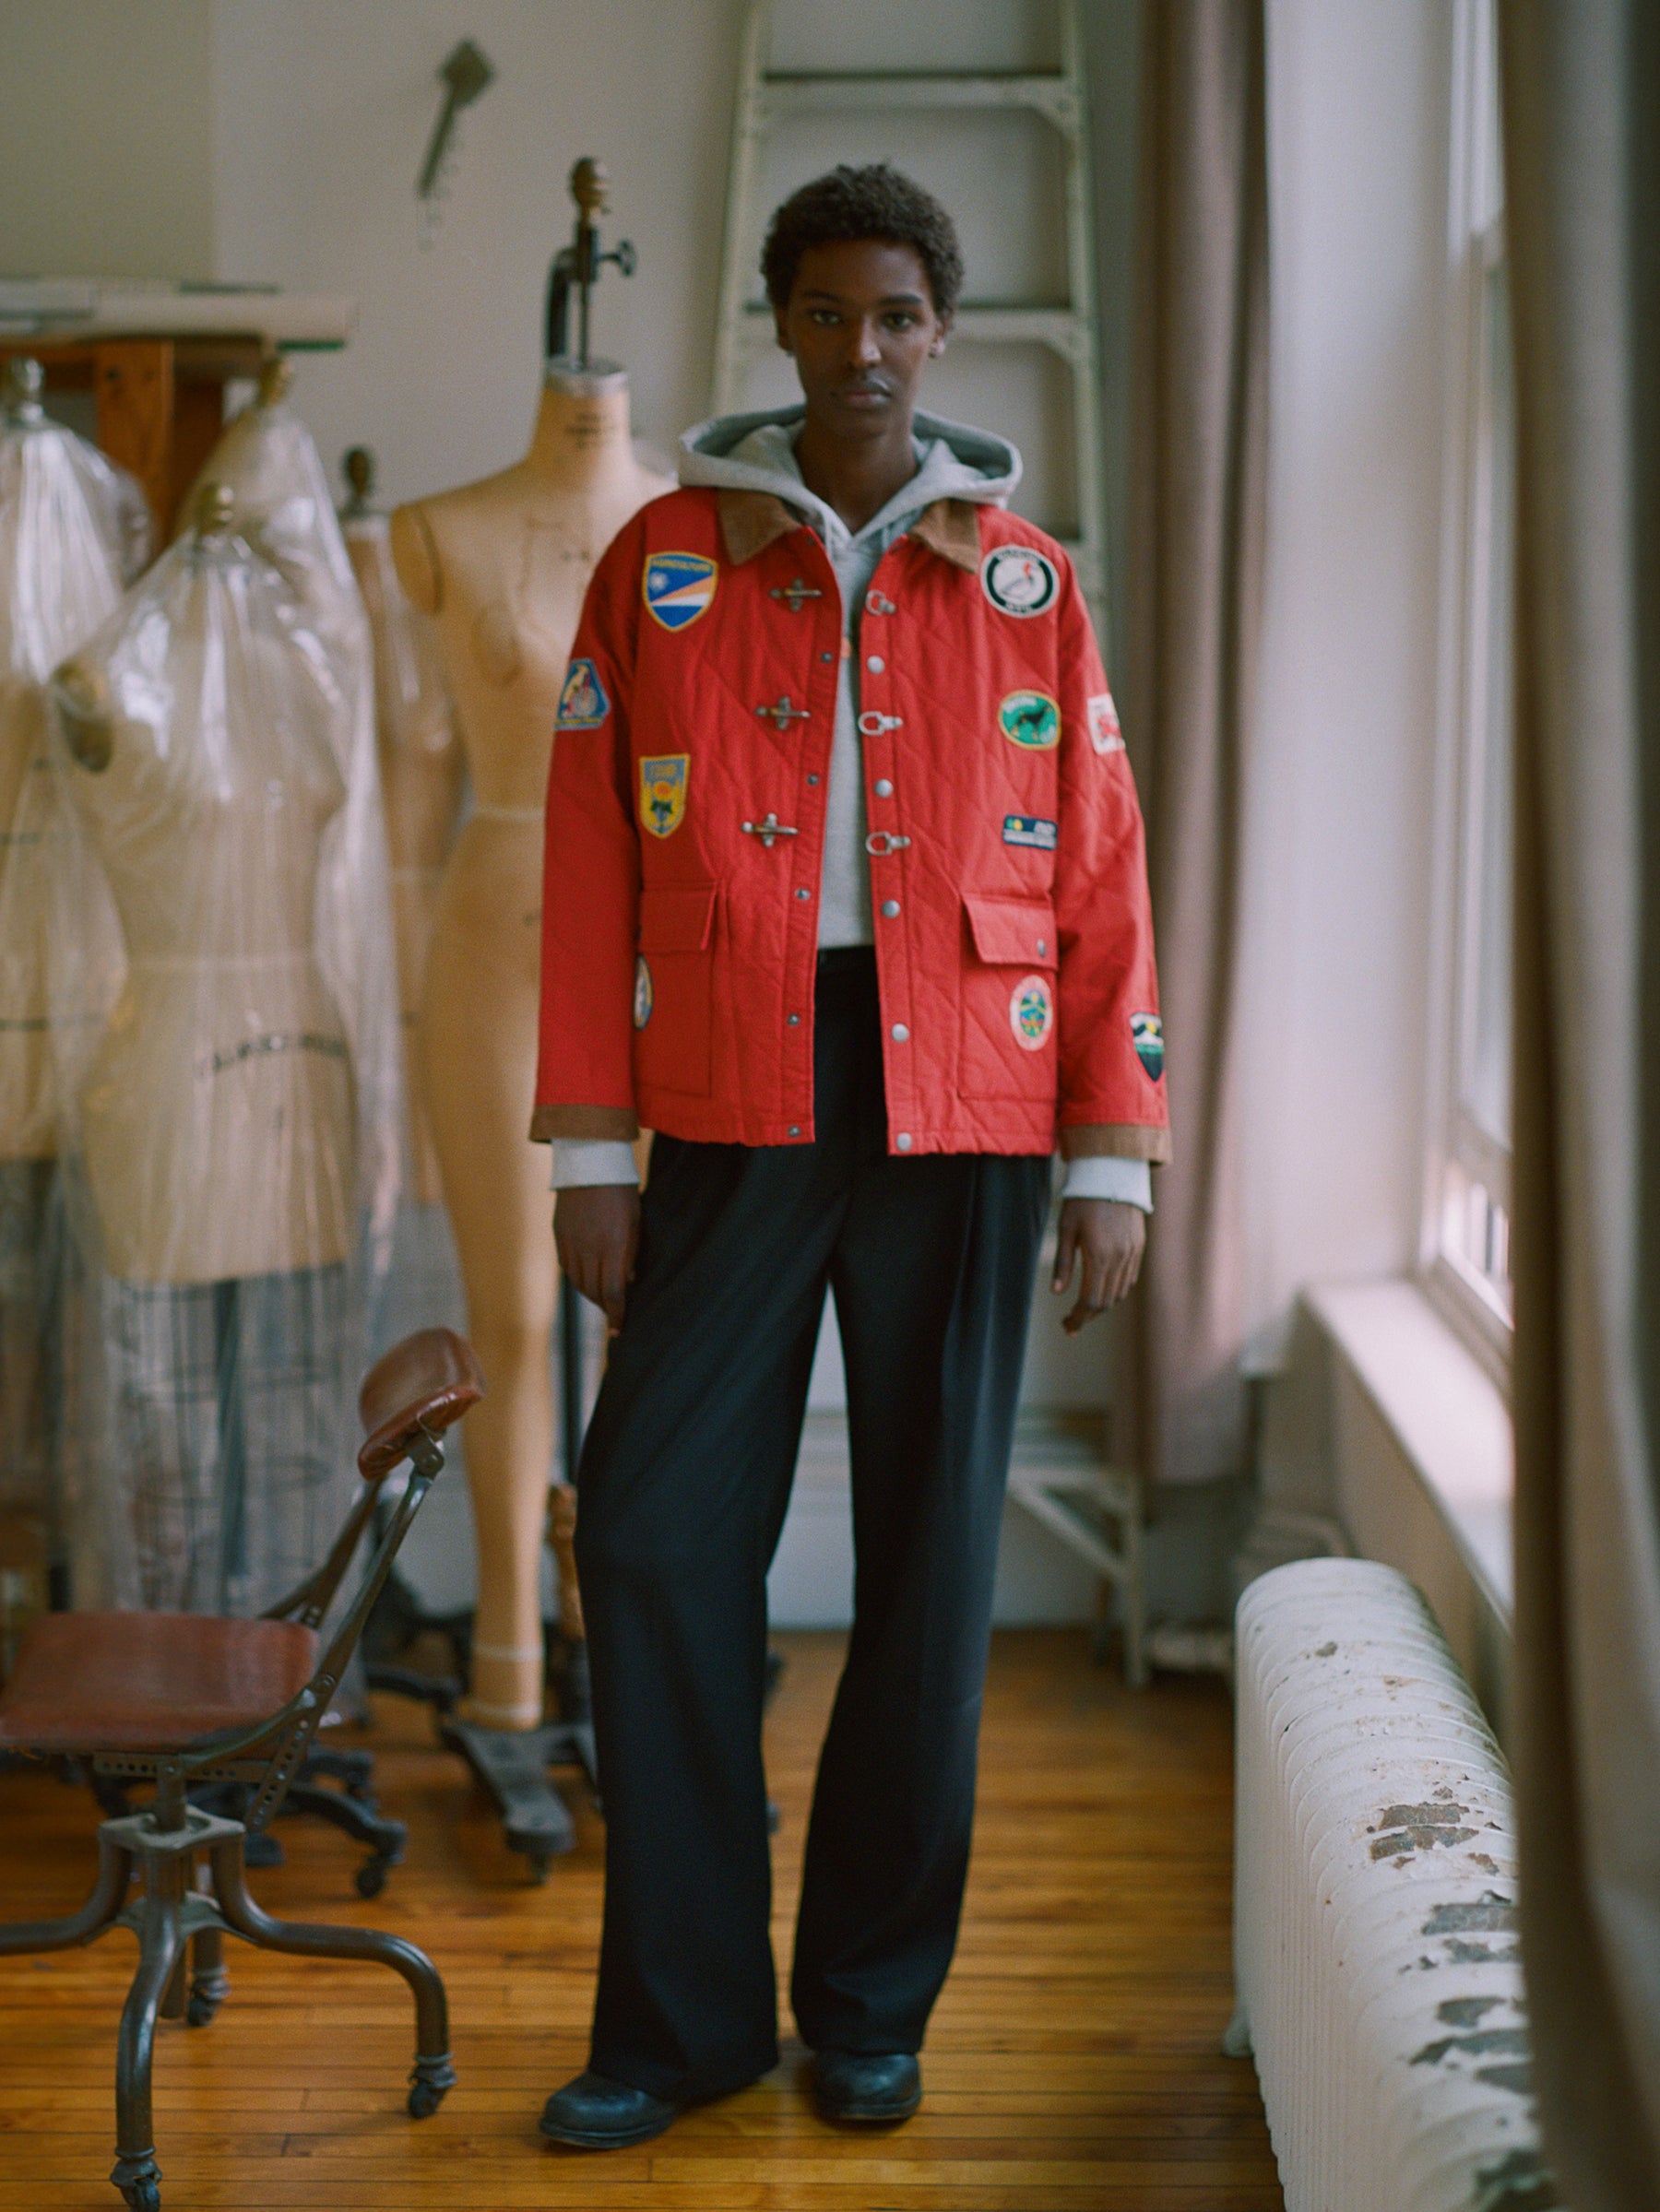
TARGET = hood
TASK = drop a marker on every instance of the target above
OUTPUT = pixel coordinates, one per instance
(756, 453)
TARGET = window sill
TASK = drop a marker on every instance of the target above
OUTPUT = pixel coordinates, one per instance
(1444, 1411)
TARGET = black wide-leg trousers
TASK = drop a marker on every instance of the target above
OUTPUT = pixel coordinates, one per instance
(683, 1485)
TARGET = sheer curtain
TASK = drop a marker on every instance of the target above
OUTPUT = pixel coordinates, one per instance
(1197, 433)
(1581, 90)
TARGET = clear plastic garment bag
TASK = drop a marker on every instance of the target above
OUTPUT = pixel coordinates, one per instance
(220, 1193)
(72, 528)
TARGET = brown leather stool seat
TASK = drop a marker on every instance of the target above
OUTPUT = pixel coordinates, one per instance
(148, 1681)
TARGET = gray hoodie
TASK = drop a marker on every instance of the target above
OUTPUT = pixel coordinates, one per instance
(756, 453)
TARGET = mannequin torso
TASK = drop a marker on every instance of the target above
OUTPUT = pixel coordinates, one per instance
(501, 566)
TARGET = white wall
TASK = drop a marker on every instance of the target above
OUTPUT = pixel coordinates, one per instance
(324, 116)
(106, 126)
(1339, 870)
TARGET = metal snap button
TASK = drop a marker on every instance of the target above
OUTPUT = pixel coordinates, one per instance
(903, 1141)
(882, 788)
(876, 664)
(899, 1033)
(890, 907)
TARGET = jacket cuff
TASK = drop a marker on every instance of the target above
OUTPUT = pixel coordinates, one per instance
(1128, 1181)
(1116, 1141)
(619, 1124)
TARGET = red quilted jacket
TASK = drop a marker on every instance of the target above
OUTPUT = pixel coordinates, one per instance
(685, 826)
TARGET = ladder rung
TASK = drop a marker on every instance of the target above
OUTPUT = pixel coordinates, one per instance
(1049, 94)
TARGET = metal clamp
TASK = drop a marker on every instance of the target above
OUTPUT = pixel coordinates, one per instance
(783, 714)
(872, 725)
(795, 593)
(768, 829)
(877, 602)
(880, 842)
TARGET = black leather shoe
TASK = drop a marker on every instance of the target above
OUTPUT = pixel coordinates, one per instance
(591, 2113)
(862, 2091)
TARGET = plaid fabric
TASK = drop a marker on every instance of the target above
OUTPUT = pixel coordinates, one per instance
(227, 1446)
(31, 1382)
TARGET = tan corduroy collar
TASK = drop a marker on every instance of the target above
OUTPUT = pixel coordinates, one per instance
(750, 521)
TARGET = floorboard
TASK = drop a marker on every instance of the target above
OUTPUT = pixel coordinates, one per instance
(1074, 2063)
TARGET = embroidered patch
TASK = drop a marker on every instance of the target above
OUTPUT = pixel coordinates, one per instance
(678, 587)
(1019, 580)
(582, 703)
(1030, 718)
(1104, 732)
(642, 1005)
(1032, 1012)
(1147, 1033)
(663, 793)
(1030, 829)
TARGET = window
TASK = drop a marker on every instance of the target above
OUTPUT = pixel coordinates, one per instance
(1466, 1238)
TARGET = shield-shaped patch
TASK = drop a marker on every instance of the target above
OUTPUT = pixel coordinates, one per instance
(678, 587)
(663, 793)
(1147, 1033)
(582, 701)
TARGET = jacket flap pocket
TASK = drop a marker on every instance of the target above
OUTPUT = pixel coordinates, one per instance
(677, 919)
(1013, 932)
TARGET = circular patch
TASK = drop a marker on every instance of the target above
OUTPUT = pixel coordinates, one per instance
(1032, 1012)
(642, 1005)
(1019, 580)
(1030, 718)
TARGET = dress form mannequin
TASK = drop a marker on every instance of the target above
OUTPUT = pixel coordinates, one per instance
(424, 775)
(502, 565)
(217, 1119)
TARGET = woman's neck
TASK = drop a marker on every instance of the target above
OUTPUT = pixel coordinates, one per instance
(581, 439)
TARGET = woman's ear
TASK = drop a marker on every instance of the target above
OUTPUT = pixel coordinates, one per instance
(784, 344)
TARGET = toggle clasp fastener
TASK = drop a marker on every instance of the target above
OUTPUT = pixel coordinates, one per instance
(783, 714)
(872, 725)
(878, 602)
(795, 593)
(880, 842)
(769, 830)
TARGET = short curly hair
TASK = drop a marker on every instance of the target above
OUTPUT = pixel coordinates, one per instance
(876, 202)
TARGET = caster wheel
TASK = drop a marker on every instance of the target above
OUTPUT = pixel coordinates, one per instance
(143, 2196)
(370, 1877)
(200, 2011)
(425, 2097)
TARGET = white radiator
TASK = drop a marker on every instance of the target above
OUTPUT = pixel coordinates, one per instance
(1376, 1957)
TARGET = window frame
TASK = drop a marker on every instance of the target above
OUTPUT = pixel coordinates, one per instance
(1476, 250)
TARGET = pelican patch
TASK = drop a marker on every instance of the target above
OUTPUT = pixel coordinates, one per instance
(642, 1003)
(1104, 732)
(678, 587)
(1019, 580)
(1032, 1012)
(1030, 829)
(1031, 719)
(582, 703)
(663, 793)
(1147, 1033)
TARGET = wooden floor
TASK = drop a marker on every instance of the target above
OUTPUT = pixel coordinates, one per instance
(1072, 2061)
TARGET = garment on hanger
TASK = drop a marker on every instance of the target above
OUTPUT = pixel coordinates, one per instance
(268, 460)
(72, 528)
(210, 1125)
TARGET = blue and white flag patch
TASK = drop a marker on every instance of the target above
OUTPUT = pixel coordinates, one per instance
(1030, 829)
(678, 587)
(582, 703)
